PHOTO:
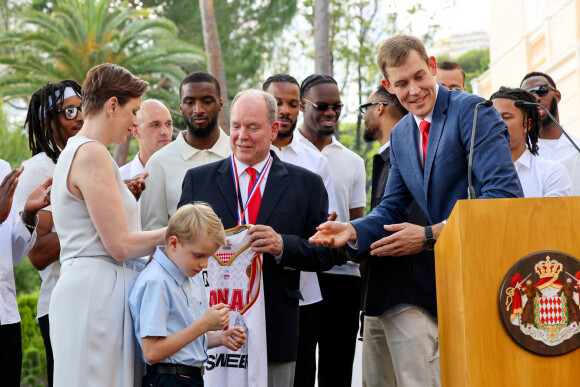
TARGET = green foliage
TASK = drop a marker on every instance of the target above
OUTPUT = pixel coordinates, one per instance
(26, 278)
(474, 63)
(246, 31)
(34, 355)
(75, 35)
(13, 143)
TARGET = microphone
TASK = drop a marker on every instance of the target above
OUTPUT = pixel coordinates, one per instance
(521, 104)
(470, 189)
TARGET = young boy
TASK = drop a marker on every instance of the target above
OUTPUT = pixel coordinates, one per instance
(169, 305)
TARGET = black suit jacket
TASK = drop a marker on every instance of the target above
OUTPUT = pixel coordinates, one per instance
(390, 281)
(294, 203)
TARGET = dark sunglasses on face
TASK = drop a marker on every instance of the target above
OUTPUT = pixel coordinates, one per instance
(541, 90)
(363, 108)
(322, 106)
(71, 112)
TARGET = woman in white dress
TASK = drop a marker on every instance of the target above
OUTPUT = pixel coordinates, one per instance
(539, 177)
(95, 216)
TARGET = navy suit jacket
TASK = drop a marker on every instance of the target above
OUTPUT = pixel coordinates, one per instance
(294, 203)
(443, 180)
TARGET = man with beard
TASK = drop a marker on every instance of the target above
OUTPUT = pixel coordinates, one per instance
(203, 142)
(340, 286)
(286, 90)
(552, 144)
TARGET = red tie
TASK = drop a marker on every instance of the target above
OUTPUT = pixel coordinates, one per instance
(254, 204)
(424, 127)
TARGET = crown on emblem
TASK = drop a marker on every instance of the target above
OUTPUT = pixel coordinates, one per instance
(548, 268)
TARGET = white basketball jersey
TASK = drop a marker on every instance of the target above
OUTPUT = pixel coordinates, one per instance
(234, 277)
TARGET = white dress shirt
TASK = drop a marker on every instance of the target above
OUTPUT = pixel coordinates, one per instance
(37, 170)
(131, 170)
(542, 178)
(15, 242)
(349, 177)
(167, 168)
(557, 149)
(303, 156)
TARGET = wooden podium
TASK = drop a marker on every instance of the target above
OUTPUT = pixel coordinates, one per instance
(481, 241)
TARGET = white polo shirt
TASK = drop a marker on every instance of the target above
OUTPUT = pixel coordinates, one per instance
(349, 177)
(542, 178)
(37, 170)
(300, 154)
(167, 168)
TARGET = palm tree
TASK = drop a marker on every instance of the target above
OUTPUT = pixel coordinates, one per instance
(215, 63)
(79, 34)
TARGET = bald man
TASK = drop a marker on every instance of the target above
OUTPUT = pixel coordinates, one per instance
(153, 131)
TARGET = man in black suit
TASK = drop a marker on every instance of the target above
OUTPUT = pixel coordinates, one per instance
(292, 202)
(396, 292)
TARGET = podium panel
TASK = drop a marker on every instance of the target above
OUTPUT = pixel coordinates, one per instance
(481, 241)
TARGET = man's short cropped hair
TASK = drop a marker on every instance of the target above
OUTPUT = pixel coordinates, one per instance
(198, 77)
(271, 104)
(192, 221)
(449, 65)
(394, 51)
(383, 94)
(280, 78)
(539, 74)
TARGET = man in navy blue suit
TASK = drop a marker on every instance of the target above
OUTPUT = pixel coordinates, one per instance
(287, 204)
(429, 154)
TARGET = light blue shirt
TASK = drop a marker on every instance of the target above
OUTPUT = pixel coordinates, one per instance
(165, 301)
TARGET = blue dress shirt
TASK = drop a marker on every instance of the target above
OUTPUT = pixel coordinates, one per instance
(165, 301)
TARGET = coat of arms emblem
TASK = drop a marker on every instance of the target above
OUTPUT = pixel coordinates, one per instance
(540, 302)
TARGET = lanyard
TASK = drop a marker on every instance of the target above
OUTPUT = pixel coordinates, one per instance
(255, 187)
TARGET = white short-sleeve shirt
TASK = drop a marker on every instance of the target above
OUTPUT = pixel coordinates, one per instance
(557, 149)
(349, 177)
(37, 170)
(167, 168)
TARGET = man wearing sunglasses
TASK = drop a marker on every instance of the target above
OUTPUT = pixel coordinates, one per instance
(340, 287)
(552, 144)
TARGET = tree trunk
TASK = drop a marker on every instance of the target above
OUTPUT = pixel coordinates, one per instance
(322, 54)
(213, 51)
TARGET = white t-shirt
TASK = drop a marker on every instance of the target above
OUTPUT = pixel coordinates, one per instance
(542, 178)
(129, 171)
(557, 149)
(37, 170)
(303, 156)
(349, 177)
(167, 168)
(572, 165)
(15, 243)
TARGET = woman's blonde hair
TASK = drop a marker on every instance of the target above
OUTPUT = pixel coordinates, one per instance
(194, 220)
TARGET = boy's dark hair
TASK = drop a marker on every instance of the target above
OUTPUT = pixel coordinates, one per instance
(449, 65)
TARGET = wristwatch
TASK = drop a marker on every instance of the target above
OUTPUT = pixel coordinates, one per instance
(429, 243)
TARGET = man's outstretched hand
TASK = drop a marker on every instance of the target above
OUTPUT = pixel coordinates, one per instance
(333, 234)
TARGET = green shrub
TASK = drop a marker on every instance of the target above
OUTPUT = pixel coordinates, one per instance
(34, 355)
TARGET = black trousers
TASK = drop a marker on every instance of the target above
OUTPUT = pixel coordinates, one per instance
(162, 380)
(10, 354)
(305, 373)
(338, 328)
(45, 332)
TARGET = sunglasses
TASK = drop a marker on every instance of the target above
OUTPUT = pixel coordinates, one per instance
(363, 108)
(322, 106)
(541, 90)
(71, 112)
